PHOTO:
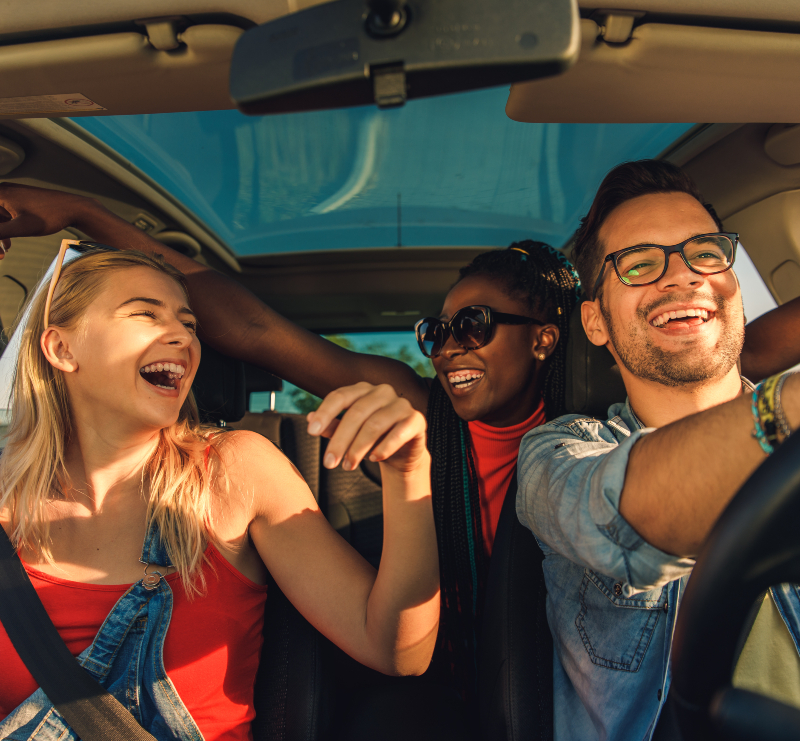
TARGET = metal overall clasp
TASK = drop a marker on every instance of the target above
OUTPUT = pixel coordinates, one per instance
(150, 581)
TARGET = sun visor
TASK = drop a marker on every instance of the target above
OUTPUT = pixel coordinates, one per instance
(352, 52)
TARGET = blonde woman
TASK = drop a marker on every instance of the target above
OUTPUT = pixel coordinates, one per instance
(106, 464)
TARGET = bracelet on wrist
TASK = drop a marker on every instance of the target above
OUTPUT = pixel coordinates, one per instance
(758, 430)
(780, 418)
(766, 410)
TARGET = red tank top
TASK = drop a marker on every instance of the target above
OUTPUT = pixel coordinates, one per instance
(495, 450)
(211, 650)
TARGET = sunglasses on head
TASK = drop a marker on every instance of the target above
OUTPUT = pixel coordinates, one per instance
(81, 246)
(472, 327)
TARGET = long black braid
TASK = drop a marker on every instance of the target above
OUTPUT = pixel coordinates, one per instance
(545, 280)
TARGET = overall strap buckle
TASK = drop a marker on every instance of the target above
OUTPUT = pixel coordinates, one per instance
(150, 581)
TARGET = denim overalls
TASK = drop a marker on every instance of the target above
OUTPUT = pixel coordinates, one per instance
(127, 658)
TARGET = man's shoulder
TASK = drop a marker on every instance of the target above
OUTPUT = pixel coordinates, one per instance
(579, 427)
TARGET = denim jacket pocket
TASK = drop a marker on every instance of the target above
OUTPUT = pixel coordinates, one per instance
(616, 630)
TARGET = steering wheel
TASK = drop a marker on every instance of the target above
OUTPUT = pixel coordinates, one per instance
(754, 545)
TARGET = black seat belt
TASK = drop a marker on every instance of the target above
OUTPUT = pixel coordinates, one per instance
(84, 703)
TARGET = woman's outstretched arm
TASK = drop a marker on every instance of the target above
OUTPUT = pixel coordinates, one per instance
(772, 342)
(231, 318)
(387, 619)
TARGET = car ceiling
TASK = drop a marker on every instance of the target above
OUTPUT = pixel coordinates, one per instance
(681, 58)
(119, 55)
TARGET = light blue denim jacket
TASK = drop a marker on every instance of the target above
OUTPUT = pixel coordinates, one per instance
(612, 598)
(127, 658)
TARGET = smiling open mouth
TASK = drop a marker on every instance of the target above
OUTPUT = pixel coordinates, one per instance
(682, 316)
(163, 375)
(464, 379)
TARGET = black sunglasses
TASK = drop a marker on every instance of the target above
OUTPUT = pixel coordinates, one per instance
(705, 254)
(472, 327)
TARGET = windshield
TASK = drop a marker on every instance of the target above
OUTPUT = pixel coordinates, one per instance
(446, 171)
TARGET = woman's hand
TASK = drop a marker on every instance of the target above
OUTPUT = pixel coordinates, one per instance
(377, 424)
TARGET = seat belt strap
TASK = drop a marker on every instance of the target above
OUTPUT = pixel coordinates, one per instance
(93, 713)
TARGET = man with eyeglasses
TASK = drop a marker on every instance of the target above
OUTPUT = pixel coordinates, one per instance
(621, 507)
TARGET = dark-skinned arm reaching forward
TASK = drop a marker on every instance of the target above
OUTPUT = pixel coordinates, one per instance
(231, 318)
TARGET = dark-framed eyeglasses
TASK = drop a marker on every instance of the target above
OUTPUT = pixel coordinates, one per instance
(82, 246)
(705, 254)
(472, 327)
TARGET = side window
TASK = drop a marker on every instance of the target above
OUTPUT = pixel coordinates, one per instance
(398, 345)
(755, 295)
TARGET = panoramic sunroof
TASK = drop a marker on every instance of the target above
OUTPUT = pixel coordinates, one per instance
(448, 171)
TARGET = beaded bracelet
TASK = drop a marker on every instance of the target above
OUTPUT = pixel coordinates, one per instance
(766, 409)
(780, 417)
(758, 431)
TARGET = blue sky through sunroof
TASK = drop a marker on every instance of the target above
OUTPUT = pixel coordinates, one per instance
(454, 169)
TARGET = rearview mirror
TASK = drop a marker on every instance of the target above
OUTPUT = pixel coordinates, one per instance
(357, 52)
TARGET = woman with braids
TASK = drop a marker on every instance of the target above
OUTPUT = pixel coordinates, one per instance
(490, 389)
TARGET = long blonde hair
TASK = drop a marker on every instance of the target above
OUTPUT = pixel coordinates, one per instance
(32, 468)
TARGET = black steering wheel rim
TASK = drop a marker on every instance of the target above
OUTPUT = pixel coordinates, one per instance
(754, 545)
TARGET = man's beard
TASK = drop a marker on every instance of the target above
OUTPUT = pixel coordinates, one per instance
(645, 360)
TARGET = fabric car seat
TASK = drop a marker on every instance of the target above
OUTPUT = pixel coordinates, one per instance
(308, 688)
(516, 658)
(290, 693)
(290, 688)
(302, 677)
(516, 648)
(352, 501)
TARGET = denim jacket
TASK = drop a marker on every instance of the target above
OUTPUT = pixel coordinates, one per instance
(127, 658)
(612, 598)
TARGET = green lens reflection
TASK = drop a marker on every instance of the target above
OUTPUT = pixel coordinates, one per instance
(640, 265)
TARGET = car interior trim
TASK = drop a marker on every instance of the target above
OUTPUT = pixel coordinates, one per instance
(664, 73)
(74, 139)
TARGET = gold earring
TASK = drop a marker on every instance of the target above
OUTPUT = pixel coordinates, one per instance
(541, 356)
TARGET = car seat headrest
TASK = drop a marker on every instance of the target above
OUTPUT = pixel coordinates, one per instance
(593, 379)
(219, 387)
(258, 380)
(223, 385)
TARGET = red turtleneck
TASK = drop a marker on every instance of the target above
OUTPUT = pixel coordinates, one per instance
(495, 450)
